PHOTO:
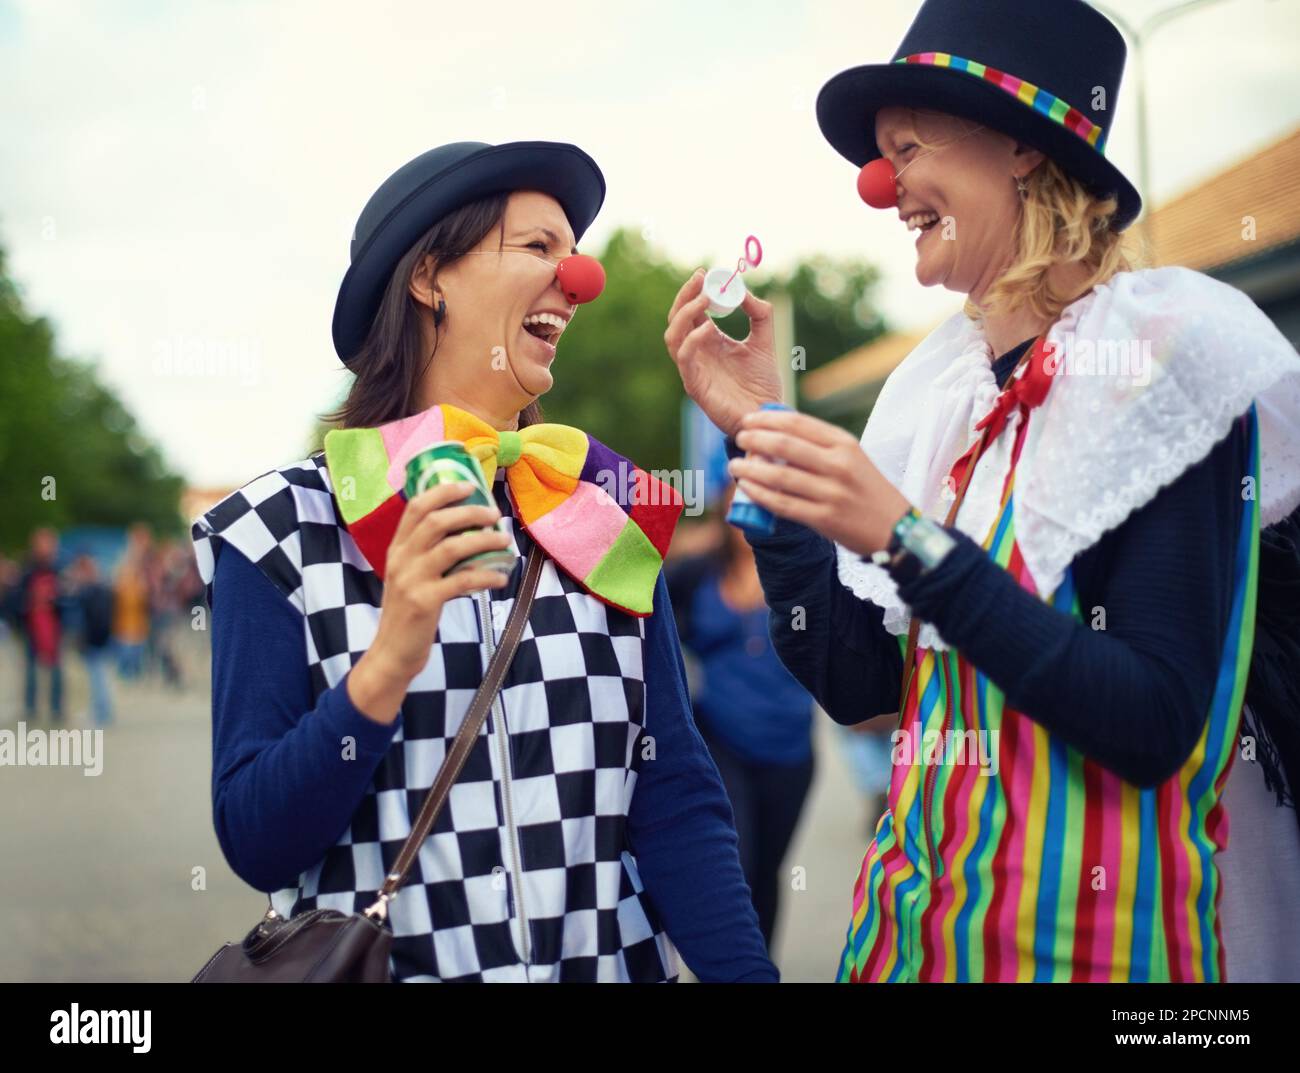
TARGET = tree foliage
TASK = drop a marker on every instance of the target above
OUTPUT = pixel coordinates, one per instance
(70, 452)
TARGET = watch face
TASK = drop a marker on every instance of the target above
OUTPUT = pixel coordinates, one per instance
(929, 542)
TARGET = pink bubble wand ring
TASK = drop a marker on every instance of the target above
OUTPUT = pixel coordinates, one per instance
(717, 281)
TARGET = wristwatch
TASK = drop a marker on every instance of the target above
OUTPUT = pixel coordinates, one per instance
(916, 546)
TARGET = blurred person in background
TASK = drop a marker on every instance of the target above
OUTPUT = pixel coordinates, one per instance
(38, 599)
(754, 717)
(866, 750)
(1261, 863)
(189, 585)
(10, 573)
(131, 603)
(165, 572)
(95, 600)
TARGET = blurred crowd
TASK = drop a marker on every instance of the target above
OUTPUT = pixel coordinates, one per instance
(755, 719)
(120, 621)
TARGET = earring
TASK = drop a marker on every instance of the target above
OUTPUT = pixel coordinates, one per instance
(440, 314)
(1022, 187)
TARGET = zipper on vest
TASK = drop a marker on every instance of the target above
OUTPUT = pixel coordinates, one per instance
(507, 800)
(927, 799)
(927, 789)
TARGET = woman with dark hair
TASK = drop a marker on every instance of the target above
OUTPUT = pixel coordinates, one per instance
(587, 836)
(1044, 552)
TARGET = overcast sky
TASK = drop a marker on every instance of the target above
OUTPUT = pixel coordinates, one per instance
(182, 176)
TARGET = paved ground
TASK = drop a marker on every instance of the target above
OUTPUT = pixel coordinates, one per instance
(98, 882)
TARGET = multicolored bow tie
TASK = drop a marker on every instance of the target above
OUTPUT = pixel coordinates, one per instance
(604, 521)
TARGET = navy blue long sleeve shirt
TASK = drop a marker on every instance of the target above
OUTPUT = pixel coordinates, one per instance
(282, 794)
(1133, 697)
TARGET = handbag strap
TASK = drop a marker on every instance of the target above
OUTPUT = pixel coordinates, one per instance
(914, 629)
(469, 728)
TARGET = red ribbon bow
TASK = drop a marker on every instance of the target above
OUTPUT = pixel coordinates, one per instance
(1026, 392)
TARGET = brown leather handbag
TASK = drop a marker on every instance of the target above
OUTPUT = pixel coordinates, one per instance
(325, 946)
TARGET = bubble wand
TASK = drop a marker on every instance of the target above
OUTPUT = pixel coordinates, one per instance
(724, 297)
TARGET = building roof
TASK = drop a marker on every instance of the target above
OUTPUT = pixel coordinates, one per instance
(872, 361)
(1203, 227)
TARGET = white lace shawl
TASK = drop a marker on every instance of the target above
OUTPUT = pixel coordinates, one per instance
(1156, 366)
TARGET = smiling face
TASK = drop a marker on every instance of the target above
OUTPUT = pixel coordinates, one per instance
(505, 309)
(959, 196)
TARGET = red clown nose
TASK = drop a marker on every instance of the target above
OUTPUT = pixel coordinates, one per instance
(878, 185)
(582, 278)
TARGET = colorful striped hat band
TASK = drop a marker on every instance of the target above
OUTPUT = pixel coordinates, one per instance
(1040, 100)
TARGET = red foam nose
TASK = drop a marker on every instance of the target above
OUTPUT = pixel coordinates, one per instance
(582, 278)
(878, 185)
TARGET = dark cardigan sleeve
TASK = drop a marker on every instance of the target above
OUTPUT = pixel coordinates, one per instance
(285, 783)
(1135, 695)
(682, 830)
(834, 644)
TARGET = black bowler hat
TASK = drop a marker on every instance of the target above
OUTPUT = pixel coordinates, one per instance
(425, 189)
(1045, 72)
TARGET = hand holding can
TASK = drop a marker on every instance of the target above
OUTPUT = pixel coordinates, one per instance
(436, 533)
(449, 462)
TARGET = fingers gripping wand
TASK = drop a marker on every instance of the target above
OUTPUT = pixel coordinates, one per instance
(726, 291)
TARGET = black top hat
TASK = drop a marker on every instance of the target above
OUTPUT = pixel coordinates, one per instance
(1046, 72)
(425, 189)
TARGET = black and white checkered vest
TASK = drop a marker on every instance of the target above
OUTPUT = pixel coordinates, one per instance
(527, 874)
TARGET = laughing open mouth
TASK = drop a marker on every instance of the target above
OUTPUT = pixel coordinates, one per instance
(545, 326)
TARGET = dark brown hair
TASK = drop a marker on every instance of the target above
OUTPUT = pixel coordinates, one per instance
(392, 362)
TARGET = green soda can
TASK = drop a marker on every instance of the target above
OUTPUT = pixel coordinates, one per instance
(446, 463)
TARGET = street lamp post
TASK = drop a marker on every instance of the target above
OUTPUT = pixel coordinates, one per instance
(1139, 35)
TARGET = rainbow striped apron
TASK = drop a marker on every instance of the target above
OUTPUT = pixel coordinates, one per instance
(1052, 869)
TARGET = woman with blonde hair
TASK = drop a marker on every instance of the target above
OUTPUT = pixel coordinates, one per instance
(1043, 553)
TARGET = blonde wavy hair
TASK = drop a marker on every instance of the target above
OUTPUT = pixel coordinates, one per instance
(1061, 222)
